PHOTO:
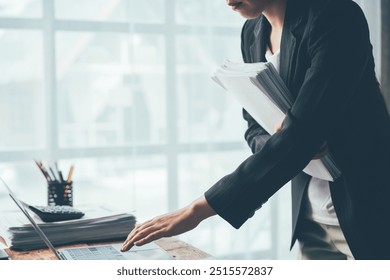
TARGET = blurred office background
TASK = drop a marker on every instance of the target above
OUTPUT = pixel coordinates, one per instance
(122, 89)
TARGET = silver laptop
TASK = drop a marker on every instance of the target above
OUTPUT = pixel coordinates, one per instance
(102, 252)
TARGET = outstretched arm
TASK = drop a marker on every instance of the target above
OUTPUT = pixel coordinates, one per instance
(170, 224)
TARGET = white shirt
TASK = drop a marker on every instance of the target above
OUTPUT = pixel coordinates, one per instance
(274, 58)
(318, 202)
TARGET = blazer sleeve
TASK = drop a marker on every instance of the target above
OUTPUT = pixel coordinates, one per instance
(255, 135)
(339, 50)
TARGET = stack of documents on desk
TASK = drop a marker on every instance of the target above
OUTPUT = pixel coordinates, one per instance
(98, 224)
(262, 93)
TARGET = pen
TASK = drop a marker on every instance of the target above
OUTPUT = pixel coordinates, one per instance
(59, 172)
(60, 175)
(54, 175)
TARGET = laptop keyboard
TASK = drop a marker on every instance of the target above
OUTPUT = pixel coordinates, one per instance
(96, 253)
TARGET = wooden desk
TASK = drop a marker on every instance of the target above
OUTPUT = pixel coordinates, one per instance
(178, 249)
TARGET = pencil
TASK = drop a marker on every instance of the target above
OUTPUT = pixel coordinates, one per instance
(45, 171)
(39, 164)
(70, 174)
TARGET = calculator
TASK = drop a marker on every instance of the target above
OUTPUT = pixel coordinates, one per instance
(56, 213)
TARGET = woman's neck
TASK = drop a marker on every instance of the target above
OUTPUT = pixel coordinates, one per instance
(275, 15)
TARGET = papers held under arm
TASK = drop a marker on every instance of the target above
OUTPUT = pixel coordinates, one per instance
(262, 93)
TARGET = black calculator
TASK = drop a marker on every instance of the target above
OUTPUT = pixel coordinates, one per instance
(56, 213)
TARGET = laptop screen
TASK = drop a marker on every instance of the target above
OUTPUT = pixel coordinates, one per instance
(33, 223)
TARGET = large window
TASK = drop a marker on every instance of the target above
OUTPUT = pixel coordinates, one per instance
(122, 89)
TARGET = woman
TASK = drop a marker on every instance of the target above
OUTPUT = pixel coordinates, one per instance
(323, 53)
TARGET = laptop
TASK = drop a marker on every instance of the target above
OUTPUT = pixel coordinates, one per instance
(149, 251)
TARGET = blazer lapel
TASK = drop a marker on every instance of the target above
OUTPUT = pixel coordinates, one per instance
(288, 50)
(259, 46)
(292, 31)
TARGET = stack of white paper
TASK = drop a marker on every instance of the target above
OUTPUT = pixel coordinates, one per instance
(262, 93)
(98, 224)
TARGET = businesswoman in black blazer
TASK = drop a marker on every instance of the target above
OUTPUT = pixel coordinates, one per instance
(324, 54)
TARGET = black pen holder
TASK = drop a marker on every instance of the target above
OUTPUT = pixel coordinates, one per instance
(60, 193)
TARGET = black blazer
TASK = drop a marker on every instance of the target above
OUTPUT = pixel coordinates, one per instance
(327, 63)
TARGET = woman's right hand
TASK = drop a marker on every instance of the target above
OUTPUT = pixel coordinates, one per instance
(170, 224)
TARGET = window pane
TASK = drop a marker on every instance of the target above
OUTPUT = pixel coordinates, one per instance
(145, 11)
(111, 89)
(21, 8)
(371, 10)
(206, 12)
(25, 179)
(206, 111)
(22, 108)
(131, 183)
(212, 165)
